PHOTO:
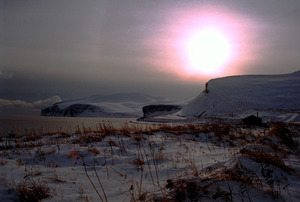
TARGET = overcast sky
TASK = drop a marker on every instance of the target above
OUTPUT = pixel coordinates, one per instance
(63, 49)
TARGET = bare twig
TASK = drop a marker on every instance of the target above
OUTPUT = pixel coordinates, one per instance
(99, 181)
(91, 180)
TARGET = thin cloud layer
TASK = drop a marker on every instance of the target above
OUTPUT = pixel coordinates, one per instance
(5, 75)
(38, 104)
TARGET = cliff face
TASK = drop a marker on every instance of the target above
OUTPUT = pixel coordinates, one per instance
(156, 110)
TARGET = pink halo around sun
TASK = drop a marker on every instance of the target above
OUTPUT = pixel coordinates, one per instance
(211, 42)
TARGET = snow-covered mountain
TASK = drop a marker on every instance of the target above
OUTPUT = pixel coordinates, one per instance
(115, 105)
(274, 97)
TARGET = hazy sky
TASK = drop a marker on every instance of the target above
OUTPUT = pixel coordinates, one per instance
(75, 48)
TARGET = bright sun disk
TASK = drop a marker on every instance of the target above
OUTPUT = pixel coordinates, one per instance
(208, 50)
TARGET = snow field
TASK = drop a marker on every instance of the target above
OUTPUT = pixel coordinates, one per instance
(186, 162)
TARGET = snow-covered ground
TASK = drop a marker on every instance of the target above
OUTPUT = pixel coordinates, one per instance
(186, 162)
(273, 97)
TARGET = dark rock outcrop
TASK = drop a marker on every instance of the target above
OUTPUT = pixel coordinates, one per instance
(70, 111)
(155, 110)
(252, 120)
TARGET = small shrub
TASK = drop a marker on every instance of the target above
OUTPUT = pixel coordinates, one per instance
(6, 154)
(19, 162)
(138, 162)
(112, 143)
(44, 153)
(32, 191)
(220, 130)
(94, 151)
(191, 190)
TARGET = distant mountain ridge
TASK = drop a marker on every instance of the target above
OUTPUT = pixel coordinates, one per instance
(114, 105)
(271, 95)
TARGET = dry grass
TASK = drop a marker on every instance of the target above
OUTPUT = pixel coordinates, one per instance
(279, 140)
(94, 151)
(280, 130)
(32, 191)
(267, 158)
(19, 162)
(181, 129)
(3, 163)
(196, 189)
(138, 162)
(88, 138)
(241, 174)
(56, 179)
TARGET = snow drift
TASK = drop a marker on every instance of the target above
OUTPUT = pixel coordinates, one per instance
(275, 97)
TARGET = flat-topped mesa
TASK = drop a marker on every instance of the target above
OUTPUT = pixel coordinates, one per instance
(242, 96)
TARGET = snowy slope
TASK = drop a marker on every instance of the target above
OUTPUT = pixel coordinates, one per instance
(115, 105)
(270, 95)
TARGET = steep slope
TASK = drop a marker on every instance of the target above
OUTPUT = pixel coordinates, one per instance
(115, 105)
(245, 95)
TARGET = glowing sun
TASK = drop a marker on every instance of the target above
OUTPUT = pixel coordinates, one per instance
(208, 50)
(211, 41)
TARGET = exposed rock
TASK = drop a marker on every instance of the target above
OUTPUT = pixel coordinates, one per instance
(71, 111)
(155, 110)
(54, 110)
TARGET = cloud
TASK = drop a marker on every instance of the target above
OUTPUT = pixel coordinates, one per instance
(38, 104)
(47, 102)
(5, 75)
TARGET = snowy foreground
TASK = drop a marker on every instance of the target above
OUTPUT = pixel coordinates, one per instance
(183, 162)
